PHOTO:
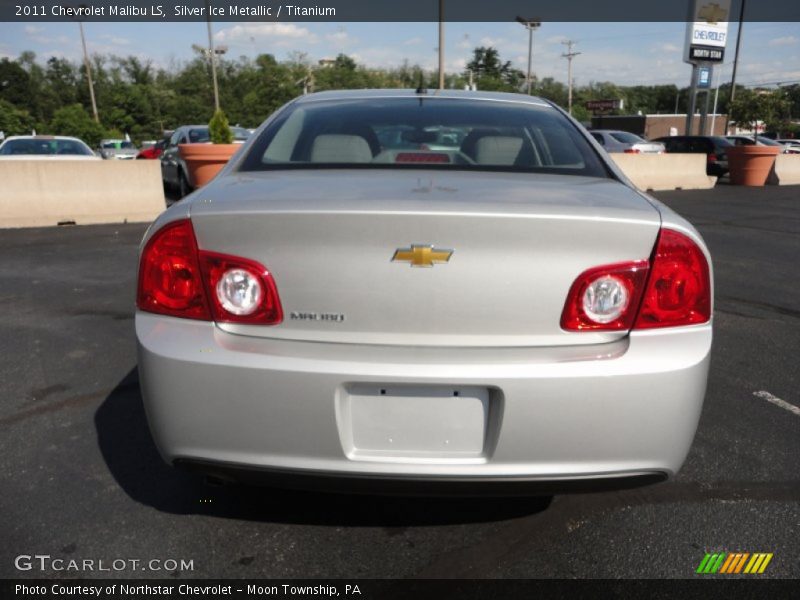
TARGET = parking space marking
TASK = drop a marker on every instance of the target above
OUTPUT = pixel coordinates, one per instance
(778, 402)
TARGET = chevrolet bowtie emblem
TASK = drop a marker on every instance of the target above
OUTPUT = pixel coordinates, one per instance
(712, 13)
(421, 256)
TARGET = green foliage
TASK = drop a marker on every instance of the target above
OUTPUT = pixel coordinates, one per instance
(751, 106)
(492, 74)
(14, 121)
(135, 97)
(74, 120)
(219, 130)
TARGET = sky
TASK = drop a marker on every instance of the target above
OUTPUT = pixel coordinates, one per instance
(624, 53)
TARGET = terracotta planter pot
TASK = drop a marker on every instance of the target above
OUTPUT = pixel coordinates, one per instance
(204, 161)
(750, 165)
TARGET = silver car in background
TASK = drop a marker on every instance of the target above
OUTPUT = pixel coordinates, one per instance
(117, 149)
(624, 141)
(345, 307)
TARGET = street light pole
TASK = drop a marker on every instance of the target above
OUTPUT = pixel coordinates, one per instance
(735, 65)
(441, 44)
(212, 57)
(530, 25)
(88, 65)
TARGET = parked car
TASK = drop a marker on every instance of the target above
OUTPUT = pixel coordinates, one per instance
(339, 311)
(714, 147)
(747, 140)
(117, 149)
(173, 169)
(45, 147)
(793, 145)
(624, 141)
(153, 151)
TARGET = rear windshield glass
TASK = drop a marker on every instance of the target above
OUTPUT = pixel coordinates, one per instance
(46, 147)
(424, 133)
(201, 135)
(626, 138)
(114, 144)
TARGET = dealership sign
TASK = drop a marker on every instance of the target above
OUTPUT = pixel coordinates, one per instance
(605, 105)
(707, 31)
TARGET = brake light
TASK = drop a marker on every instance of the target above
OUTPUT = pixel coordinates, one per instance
(179, 280)
(679, 286)
(632, 151)
(605, 298)
(421, 157)
(712, 157)
(672, 289)
(169, 274)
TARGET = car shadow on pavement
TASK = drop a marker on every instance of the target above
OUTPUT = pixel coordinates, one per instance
(133, 460)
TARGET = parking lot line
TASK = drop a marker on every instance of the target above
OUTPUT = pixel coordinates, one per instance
(778, 402)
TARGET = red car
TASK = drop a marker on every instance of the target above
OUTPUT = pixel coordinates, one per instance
(154, 151)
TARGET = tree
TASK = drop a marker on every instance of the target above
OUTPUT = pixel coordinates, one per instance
(13, 120)
(752, 106)
(75, 121)
(491, 73)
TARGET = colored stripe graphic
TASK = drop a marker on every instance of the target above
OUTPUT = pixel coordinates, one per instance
(734, 563)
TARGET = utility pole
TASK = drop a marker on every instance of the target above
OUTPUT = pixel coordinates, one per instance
(569, 55)
(212, 57)
(441, 44)
(735, 65)
(88, 66)
(530, 25)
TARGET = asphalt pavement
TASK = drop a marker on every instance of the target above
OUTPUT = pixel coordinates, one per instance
(81, 479)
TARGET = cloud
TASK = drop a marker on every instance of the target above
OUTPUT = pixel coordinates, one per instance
(116, 41)
(275, 34)
(788, 40)
(33, 30)
(666, 47)
(340, 39)
(415, 41)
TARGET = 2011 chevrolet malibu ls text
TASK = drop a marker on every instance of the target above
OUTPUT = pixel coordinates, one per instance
(421, 289)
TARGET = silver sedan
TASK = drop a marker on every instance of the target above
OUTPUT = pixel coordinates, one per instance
(361, 301)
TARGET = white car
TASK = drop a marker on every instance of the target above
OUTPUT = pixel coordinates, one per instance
(45, 147)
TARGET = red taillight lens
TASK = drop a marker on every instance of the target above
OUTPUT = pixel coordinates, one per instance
(605, 298)
(241, 290)
(672, 289)
(169, 274)
(712, 158)
(632, 151)
(179, 280)
(679, 286)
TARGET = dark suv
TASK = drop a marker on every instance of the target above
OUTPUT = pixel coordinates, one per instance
(714, 147)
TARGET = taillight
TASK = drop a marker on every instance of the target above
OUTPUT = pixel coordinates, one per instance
(170, 282)
(179, 280)
(241, 290)
(670, 290)
(631, 151)
(679, 286)
(712, 157)
(605, 298)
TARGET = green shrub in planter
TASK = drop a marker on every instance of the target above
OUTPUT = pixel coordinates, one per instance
(219, 130)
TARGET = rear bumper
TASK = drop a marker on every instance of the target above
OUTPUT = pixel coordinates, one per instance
(279, 409)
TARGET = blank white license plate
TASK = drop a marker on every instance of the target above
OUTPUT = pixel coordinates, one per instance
(416, 421)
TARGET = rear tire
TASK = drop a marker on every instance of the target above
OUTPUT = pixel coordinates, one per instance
(184, 189)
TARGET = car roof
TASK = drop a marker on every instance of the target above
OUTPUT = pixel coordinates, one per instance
(43, 137)
(612, 131)
(411, 93)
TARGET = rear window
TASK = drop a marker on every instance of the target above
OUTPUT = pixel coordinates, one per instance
(428, 132)
(41, 147)
(626, 138)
